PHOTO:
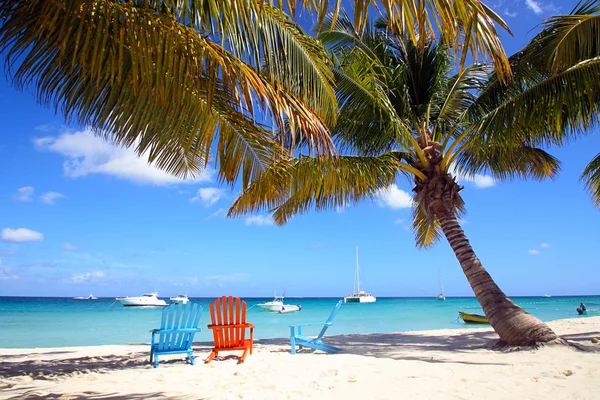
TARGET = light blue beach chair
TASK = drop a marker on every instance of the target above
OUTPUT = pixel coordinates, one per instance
(297, 338)
(177, 328)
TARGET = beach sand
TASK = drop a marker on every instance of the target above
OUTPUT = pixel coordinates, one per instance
(439, 364)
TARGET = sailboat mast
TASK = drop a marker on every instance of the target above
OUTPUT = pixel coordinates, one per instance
(357, 273)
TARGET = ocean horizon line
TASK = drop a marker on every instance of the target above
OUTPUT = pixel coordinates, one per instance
(307, 297)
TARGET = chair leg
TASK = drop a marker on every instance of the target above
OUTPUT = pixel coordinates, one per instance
(151, 355)
(191, 357)
(156, 361)
(243, 358)
(212, 355)
(293, 339)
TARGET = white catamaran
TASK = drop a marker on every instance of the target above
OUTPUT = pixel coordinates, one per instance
(358, 296)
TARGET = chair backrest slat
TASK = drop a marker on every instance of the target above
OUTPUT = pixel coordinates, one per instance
(178, 316)
(330, 319)
(227, 312)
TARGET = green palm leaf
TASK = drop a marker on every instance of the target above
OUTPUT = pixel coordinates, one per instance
(148, 75)
(591, 177)
(289, 188)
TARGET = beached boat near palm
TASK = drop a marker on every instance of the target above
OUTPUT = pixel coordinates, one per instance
(358, 296)
(90, 297)
(277, 305)
(473, 318)
(145, 300)
(182, 298)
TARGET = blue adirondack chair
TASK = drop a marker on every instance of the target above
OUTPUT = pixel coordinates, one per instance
(297, 338)
(177, 328)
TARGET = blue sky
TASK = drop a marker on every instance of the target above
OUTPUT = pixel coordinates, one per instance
(78, 215)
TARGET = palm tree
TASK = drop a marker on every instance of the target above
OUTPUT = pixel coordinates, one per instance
(555, 94)
(186, 82)
(401, 113)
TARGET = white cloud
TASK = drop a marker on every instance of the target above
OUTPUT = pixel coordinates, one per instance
(87, 154)
(534, 251)
(545, 245)
(70, 247)
(208, 196)
(481, 181)
(221, 212)
(19, 235)
(539, 7)
(24, 193)
(260, 220)
(395, 198)
(6, 274)
(509, 14)
(534, 6)
(399, 221)
(87, 277)
(50, 197)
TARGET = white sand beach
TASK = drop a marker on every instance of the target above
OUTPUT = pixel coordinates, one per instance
(439, 364)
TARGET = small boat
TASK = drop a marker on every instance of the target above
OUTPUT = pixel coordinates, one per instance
(277, 305)
(182, 298)
(473, 318)
(440, 295)
(546, 296)
(145, 300)
(358, 296)
(90, 297)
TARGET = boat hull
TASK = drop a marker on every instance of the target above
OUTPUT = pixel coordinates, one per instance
(289, 308)
(279, 307)
(133, 302)
(361, 299)
(473, 318)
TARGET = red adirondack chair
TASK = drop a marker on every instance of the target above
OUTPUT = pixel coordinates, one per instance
(228, 324)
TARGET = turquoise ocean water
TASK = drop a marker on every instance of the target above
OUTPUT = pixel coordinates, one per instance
(56, 322)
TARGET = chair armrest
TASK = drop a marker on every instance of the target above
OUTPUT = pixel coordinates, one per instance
(246, 325)
(187, 330)
(310, 323)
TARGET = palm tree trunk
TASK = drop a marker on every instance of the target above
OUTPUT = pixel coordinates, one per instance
(514, 325)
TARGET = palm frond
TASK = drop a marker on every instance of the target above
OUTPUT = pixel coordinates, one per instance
(570, 39)
(506, 162)
(150, 80)
(548, 112)
(591, 177)
(460, 94)
(468, 26)
(427, 232)
(293, 186)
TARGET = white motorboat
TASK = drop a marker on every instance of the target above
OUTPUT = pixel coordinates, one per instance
(182, 298)
(278, 306)
(90, 297)
(358, 296)
(145, 300)
(546, 296)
